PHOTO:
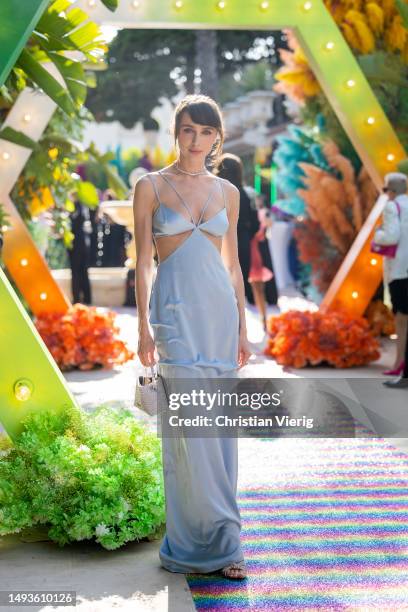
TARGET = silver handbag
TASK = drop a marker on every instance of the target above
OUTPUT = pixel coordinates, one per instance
(146, 391)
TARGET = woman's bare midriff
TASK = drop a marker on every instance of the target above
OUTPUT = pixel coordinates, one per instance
(166, 245)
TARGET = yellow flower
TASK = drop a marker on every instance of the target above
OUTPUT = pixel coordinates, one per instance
(375, 17)
(388, 7)
(365, 35)
(396, 35)
(351, 36)
(53, 153)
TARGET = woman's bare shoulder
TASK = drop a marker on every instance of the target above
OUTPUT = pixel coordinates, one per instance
(229, 188)
(144, 184)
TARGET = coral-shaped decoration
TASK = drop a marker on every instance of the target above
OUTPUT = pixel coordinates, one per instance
(84, 337)
(334, 338)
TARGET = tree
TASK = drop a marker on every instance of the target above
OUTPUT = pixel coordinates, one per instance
(144, 65)
(206, 61)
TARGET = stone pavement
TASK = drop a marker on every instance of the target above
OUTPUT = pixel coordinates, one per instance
(131, 578)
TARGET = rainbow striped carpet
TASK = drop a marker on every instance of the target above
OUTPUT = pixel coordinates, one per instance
(328, 532)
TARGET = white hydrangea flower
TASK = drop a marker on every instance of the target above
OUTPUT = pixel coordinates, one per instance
(83, 448)
(101, 530)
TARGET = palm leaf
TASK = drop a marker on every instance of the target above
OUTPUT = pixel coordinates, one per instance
(11, 135)
(115, 182)
(73, 75)
(39, 75)
(382, 68)
(403, 11)
(112, 5)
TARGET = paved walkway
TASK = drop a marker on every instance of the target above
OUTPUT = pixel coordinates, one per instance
(131, 578)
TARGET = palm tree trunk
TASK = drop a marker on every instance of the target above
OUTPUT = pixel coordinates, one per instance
(206, 60)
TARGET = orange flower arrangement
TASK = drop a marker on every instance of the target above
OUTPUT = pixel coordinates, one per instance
(380, 319)
(84, 337)
(300, 339)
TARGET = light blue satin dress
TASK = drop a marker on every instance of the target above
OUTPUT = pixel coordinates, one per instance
(195, 322)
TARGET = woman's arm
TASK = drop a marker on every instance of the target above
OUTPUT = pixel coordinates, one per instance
(390, 230)
(143, 204)
(229, 253)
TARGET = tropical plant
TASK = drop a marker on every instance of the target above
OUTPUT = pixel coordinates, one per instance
(63, 37)
(52, 178)
(83, 476)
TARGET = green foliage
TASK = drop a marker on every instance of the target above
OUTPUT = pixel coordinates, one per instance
(145, 65)
(112, 5)
(403, 11)
(83, 476)
(318, 111)
(59, 31)
(87, 194)
(252, 77)
(11, 135)
(54, 164)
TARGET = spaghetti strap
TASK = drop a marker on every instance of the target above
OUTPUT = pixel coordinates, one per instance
(223, 192)
(206, 203)
(154, 187)
(181, 198)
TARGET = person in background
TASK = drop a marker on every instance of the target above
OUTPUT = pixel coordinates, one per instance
(394, 230)
(402, 381)
(79, 254)
(259, 274)
(230, 168)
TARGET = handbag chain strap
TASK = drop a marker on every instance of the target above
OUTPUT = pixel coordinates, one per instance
(153, 372)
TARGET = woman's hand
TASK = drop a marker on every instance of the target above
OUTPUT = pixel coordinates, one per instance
(244, 351)
(146, 348)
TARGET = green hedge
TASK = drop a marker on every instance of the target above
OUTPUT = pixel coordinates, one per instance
(84, 476)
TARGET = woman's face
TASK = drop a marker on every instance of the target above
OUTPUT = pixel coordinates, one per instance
(195, 141)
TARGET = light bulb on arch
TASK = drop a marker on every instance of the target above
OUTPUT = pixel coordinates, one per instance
(23, 389)
(24, 262)
(354, 295)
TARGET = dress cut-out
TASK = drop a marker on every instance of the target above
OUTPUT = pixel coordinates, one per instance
(195, 321)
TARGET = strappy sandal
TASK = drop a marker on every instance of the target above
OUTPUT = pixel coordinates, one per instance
(235, 571)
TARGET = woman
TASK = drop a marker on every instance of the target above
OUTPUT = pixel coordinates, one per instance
(230, 168)
(258, 273)
(394, 230)
(197, 328)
